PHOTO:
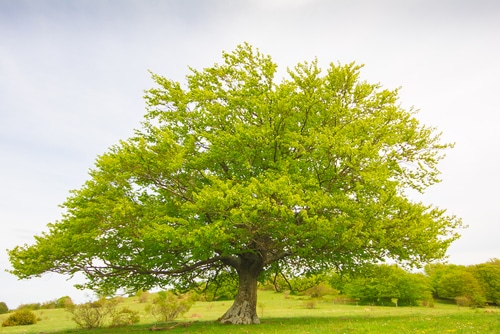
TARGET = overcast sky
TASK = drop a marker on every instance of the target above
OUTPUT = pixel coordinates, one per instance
(73, 73)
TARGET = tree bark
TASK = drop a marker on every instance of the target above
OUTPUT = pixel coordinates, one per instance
(244, 309)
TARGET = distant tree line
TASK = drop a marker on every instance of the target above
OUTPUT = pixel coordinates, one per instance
(390, 285)
(475, 285)
(62, 302)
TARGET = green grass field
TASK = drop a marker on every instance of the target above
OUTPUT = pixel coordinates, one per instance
(290, 315)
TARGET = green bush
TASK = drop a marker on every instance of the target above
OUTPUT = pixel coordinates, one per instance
(3, 308)
(32, 306)
(463, 301)
(102, 312)
(383, 284)
(48, 305)
(20, 318)
(167, 306)
(93, 314)
(310, 304)
(143, 296)
(125, 317)
(63, 302)
(320, 290)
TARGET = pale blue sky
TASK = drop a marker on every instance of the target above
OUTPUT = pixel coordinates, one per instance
(72, 76)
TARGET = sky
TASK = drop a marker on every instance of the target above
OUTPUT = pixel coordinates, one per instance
(73, 75)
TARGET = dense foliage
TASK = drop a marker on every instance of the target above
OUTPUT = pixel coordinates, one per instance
(20, 318)
(389, 285)
(61, 302)
(236, 172)
(3, 308)
(475, 285)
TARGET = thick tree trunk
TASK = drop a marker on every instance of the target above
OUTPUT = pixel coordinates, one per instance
(244, 309)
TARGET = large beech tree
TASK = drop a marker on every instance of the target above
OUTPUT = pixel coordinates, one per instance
(238, 171)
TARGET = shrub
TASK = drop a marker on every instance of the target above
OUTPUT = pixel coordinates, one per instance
(310, 304)
(428, 302)
(143, 296)
(320, 290)
(3, 308)
(48, 305)
(474, 301)
(32, 306)
(93, 314)
(20, 317)
(463, 301)
(125, 317)
(167, 306)
(63, 302)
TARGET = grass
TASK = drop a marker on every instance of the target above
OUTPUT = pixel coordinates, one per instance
(291, 315)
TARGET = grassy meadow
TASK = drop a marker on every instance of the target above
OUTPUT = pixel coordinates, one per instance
(290, 315)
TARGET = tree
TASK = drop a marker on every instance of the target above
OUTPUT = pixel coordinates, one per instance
(3, 308)
(488, 275)
(235, 171)
(63, 302)
(453, 281)
(389, 285)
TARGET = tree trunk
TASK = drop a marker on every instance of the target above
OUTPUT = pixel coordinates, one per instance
(244, 309)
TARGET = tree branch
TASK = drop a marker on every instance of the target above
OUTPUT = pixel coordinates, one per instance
(120, 270)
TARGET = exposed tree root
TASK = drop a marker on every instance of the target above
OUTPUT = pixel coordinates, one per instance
(166, 328)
